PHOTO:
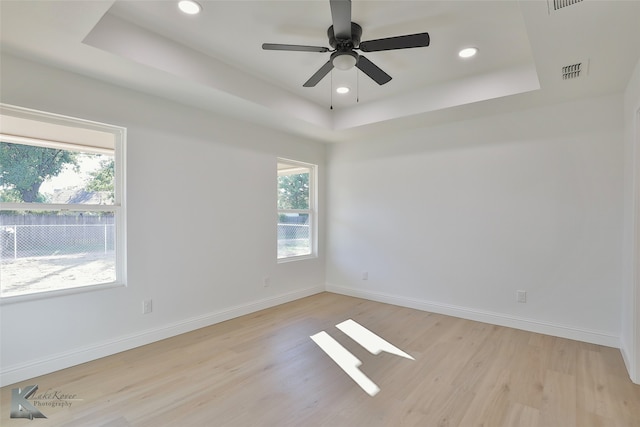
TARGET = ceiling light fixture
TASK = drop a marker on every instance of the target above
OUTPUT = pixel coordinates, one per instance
(344, 61)
(342, 90)
(468, 52)
(189, 7)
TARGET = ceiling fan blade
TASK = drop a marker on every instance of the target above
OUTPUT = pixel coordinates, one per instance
(294, 47)
(323, 71)
(399, 42)
(372, 70)
(341, 15)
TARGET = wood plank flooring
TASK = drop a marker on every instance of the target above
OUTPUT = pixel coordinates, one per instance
(264, 370)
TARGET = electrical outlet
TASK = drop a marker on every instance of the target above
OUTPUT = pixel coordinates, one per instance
(365, 275)
(521, 296)
(266, 282)
(147, 306)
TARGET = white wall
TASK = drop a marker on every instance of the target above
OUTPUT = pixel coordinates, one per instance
(201, 231)
(630, 338)
(456, 218)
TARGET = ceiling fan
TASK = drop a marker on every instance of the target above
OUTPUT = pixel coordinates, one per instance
(344, 38)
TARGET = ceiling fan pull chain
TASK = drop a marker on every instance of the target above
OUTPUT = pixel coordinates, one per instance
(331, 91)
(357, 87)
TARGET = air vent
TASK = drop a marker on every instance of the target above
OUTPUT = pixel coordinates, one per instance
(559, 4)
(572, 71)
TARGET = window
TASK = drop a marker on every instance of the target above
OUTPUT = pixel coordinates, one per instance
(296, 209)
(62, 217)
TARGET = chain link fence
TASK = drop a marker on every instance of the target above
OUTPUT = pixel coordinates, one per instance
(23, 241)
(294, 235)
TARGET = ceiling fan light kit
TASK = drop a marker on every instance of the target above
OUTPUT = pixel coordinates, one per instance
(344, 38)
(344, 60)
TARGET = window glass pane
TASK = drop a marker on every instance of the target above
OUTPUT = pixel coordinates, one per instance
(34, 174)
(293, 235)
(293, 189)
(60, 203)
(43, 251)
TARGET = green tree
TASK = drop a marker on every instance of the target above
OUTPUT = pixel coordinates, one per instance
(293, 191)
(23, 169)
(103, 178)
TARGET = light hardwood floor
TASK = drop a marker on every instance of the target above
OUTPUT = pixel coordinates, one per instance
(264, 370)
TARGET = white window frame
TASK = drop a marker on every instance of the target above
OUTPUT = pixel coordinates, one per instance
(312, 211)
(51, 121)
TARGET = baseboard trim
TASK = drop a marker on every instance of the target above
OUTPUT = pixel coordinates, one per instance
(563, 331)
(35, 368)
(626, 357)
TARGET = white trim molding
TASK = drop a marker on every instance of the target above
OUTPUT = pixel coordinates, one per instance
(531, 325)
(634, 366)
(630, 348)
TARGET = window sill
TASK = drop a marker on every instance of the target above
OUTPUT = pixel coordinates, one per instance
(296, 258)
(58, 293)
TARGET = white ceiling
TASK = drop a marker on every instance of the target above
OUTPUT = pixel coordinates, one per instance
(214, 60)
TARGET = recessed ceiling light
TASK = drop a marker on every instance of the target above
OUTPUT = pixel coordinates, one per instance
(342, 90)
(468, 52)
(189, 7)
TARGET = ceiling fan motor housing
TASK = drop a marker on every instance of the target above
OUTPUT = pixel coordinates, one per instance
(341, 45)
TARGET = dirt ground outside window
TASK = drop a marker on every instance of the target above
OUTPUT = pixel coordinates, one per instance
(40, 274)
